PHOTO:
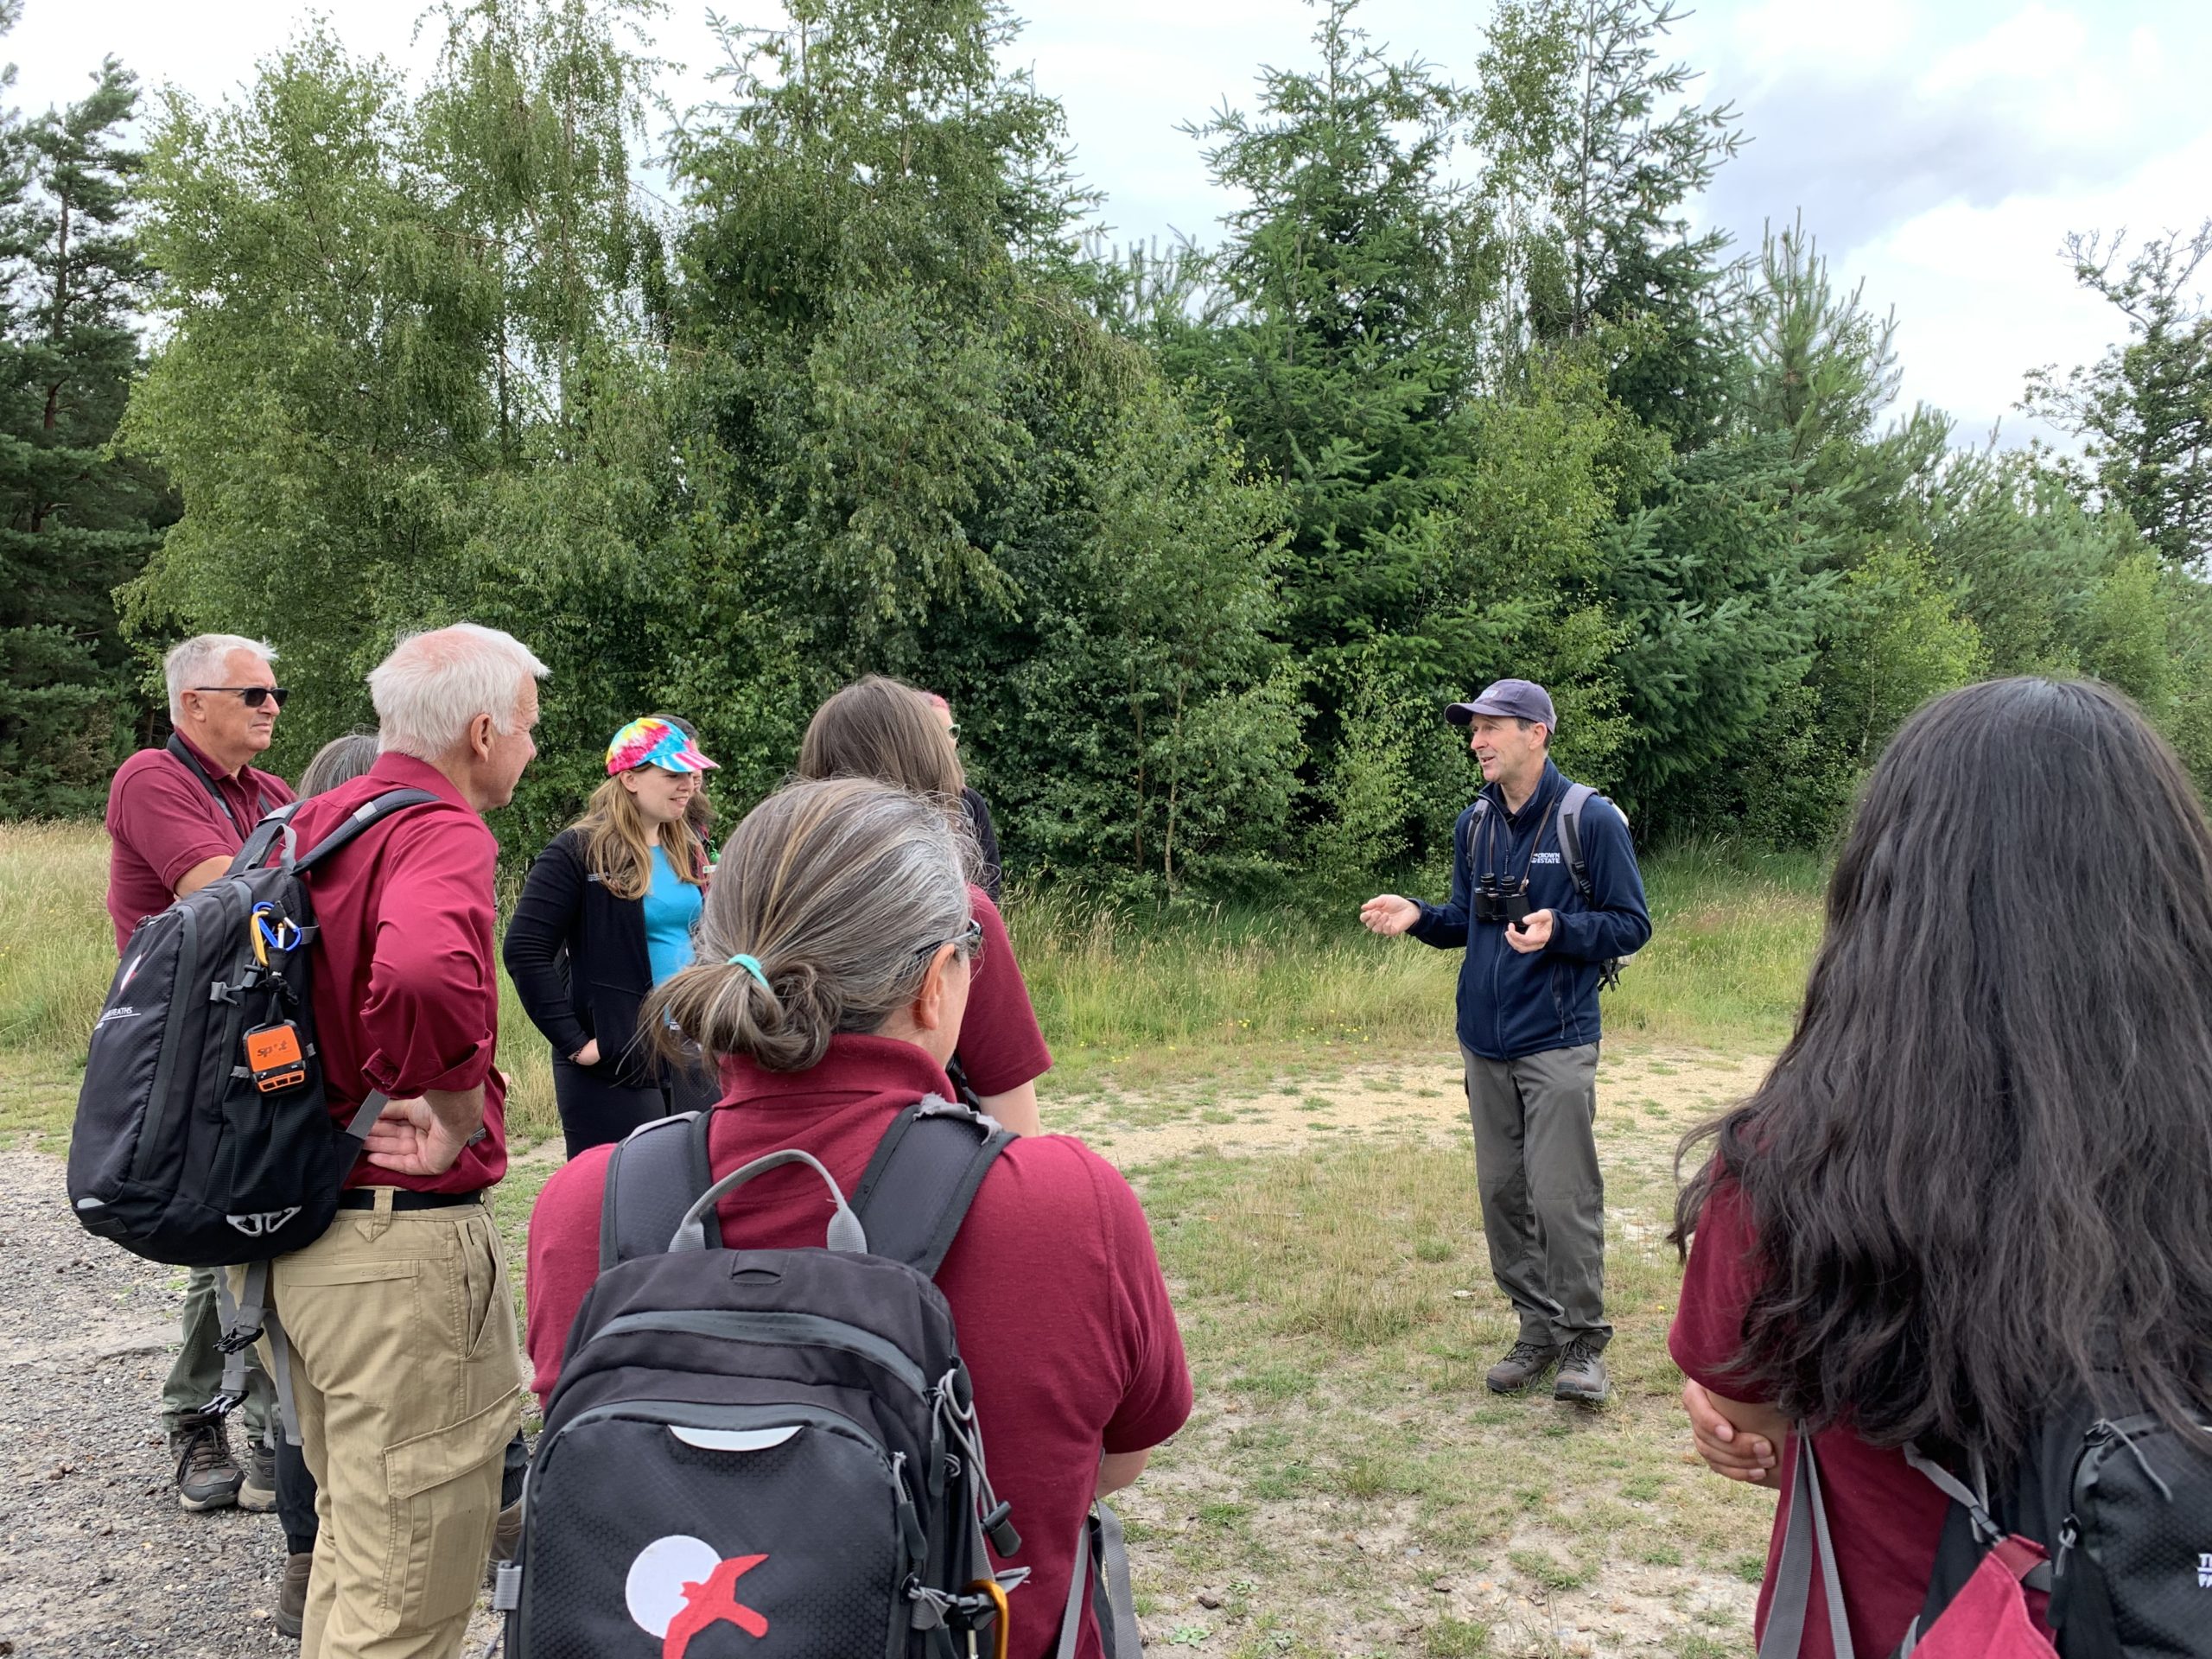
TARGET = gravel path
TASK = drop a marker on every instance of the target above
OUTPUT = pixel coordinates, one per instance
(96, 1558)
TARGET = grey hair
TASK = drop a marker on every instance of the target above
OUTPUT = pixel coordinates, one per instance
(339, 761)
(432, 684)
(202, 660)
(842, 890)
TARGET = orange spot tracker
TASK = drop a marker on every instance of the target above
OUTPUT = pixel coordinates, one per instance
(275, 1057)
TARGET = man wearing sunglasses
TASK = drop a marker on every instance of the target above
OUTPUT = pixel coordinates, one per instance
(176, 817)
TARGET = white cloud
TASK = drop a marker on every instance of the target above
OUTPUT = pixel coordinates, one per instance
(2037, 44)
(1983, 294)
(1838, 31)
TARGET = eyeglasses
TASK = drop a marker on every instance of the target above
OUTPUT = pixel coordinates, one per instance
(968, 943)
(953, 731)
(252, 696)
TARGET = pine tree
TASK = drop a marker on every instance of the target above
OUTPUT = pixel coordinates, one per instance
(1351, 287)
(76, 521)
(1594, 150)
(2144, 410)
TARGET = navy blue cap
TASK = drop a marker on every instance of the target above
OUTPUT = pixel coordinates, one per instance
(1510, 699)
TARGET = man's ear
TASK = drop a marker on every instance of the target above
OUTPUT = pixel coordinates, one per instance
(482, 730)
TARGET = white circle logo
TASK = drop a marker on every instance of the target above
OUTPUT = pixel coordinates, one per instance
(655, 1591)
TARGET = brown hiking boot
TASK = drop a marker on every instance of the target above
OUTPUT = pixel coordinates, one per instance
(1523, 1363)
(257, 1492)
(206, 1476)
(292, 1594)
(1581, 1379)
(506, 1541)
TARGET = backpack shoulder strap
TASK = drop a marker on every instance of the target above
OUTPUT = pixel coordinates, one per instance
(1577, 796)
(369, 811)
(190, 761)
(922, 1178)
(1470, 821)
(264, 835)
(652, 1177)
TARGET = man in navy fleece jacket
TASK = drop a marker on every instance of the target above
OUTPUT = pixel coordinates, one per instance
(1528, 1028)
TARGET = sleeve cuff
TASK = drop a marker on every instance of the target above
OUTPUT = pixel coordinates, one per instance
(385, 1074)
(176, 864)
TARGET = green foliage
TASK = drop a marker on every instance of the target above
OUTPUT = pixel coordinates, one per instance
(75, 520)
(1197, 541)
(2143, 411)
(1594, 149)
(1346, 353)
(399, 385)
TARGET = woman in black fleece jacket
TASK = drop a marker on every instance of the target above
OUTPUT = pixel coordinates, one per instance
(603, 917)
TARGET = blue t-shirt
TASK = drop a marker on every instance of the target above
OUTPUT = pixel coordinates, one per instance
(673, 906)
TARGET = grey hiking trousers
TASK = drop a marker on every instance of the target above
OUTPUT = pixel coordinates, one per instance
(1543, 1195)
(197, 1373)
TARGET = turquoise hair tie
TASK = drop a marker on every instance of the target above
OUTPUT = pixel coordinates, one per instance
(751, 965)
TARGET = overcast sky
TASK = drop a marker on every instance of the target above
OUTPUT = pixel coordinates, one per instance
(1940, 149)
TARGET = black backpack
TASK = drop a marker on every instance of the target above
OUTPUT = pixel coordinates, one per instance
(769, 1440)
(2121, 1505)
(202, 1136)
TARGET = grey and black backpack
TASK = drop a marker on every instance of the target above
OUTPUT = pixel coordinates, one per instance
(2118, 1507)
(770, 1444)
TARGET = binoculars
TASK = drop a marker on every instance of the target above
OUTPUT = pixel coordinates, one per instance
(1495, 903)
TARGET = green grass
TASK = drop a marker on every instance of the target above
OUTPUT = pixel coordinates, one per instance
(1136, 998)
(1128, 993)
(57, 957)
(1339, 1368)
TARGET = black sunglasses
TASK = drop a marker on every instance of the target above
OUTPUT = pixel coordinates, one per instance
(252, 696)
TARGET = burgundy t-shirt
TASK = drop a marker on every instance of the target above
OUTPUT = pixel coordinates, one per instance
(162, 821)
(1063, 1315)
(406, 989)
(1001, 1045)
(1886, 1517)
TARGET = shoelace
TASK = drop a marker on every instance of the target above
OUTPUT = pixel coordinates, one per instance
(205, 1448)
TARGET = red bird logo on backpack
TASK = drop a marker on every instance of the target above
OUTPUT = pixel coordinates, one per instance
(680, 1585)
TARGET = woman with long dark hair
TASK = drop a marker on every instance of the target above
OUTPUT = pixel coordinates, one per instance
(1976, 1185)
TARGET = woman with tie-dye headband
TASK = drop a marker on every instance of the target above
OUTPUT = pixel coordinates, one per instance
(606, 914)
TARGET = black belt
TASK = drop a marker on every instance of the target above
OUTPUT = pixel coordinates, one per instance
(364, 1197)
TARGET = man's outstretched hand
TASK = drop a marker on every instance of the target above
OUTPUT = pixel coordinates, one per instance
(1387, 914)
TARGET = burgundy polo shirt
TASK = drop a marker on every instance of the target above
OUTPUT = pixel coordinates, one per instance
(1063, 1315)
(406, 989)
(162, 821)
(1001, 1044)
(1887, 1517)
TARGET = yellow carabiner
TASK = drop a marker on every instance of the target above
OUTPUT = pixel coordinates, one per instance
(1004, 1632)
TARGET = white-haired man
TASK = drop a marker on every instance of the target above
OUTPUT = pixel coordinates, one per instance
(176, 817)
(404, 1364)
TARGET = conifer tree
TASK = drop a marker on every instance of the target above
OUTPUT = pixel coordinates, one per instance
(75, 520)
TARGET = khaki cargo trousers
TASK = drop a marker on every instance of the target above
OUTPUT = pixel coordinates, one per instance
(406, 1377)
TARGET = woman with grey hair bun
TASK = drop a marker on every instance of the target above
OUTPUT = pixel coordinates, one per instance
(836, 955)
